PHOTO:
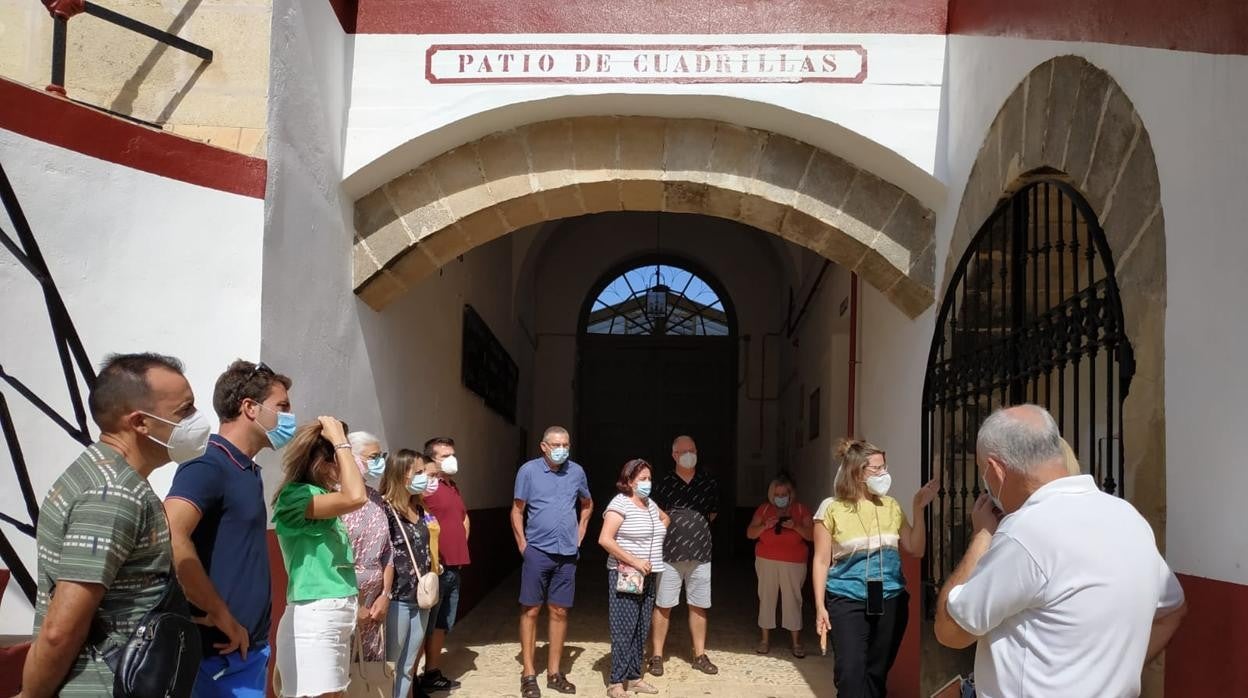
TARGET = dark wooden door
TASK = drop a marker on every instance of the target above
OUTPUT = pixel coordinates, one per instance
(636, 394)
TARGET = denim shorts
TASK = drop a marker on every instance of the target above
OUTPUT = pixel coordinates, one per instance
(448, 603)
(546, 578)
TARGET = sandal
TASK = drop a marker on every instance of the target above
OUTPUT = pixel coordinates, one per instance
(704, 665)
(656, 666)
(528, 687)
(640, 686)
(560, 683)
(762, 647)
(799, 651)
(616, 690)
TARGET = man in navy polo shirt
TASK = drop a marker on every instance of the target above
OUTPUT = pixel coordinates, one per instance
(551, 488)
(217, 521)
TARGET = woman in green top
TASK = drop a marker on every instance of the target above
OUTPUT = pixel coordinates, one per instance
(321, 483)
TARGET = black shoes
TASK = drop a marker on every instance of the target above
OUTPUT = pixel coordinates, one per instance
(434, 680)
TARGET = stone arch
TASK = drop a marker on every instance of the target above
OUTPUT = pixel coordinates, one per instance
(412, 225)
(1070, 118)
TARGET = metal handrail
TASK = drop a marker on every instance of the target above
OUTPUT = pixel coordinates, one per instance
(63, 10)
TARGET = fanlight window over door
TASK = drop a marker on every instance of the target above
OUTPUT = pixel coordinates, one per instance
(658, 300)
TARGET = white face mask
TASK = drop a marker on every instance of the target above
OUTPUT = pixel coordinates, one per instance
(189, 438)
(879, 484)
(687, 460)
(450, 465)
(433, 486)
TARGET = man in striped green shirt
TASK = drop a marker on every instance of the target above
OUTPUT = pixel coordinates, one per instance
(103, 541)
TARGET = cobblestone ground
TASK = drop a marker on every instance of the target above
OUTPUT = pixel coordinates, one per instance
(484, 652)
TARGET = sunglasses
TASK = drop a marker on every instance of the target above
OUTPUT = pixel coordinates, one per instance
(259, 368)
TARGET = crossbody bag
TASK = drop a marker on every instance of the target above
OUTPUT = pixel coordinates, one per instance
(427, 583)
(161, 657)
(629, 579)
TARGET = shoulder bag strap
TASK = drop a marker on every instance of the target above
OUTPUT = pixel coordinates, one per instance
(406, 543)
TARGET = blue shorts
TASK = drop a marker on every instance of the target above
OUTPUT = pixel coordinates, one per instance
(229, 676)
(448, 595)
(547, 579)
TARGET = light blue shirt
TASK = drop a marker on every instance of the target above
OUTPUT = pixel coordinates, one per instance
(553, 500)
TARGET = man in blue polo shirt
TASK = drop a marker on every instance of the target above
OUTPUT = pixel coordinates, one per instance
(217, 522)
(551, 488)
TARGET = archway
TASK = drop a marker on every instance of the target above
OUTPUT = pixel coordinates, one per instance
(412, 225)
(1066, 151)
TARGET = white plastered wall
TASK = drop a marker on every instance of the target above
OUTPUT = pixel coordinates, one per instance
(887, 125)
(143, 263)
(1194, 106)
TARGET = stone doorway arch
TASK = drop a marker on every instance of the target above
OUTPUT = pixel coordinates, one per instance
(409, 227)
(1070, 120)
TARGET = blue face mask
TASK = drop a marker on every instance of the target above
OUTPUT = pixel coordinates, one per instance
(376, 465)
(643, 488)
(558, 455)
(781, 502)
(418, 484)
(283, 431)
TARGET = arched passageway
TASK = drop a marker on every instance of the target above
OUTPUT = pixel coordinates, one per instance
(412, 225)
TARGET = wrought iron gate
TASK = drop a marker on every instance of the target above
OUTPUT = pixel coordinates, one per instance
(1032, 314)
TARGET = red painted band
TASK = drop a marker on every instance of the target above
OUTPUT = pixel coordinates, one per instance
(1206, 656)
(1204, 26)
(51, 119)
(649, 17)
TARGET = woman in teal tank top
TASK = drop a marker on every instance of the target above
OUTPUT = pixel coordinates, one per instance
(860, 593)
(321, 482)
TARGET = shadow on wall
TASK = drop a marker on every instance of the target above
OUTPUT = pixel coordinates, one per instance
(129, 92)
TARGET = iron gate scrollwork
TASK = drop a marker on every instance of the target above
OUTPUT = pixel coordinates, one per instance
(1032, 314)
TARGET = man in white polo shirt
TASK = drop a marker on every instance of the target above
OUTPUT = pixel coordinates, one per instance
(1067, 594)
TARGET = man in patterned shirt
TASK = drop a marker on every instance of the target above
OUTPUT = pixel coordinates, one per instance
(104, 552)
(690, 496)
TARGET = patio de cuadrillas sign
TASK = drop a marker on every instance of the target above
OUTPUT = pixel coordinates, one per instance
(604, 63)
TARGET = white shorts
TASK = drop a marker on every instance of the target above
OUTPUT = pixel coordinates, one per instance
(695, 577)
(314, 646)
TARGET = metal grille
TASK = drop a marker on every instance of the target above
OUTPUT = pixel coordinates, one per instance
(1032, 314)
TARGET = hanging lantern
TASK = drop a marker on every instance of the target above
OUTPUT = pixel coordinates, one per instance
(656, 302)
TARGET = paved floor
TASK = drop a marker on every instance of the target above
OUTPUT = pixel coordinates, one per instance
(484, 652)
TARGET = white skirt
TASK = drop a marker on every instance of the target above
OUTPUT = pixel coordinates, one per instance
(314, 646)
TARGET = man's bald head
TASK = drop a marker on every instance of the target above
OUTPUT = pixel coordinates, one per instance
(1024, 439)
(683, 443)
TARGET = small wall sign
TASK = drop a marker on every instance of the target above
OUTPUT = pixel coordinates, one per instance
(603, 63)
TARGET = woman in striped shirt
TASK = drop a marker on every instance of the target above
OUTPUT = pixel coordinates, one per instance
(633, 529)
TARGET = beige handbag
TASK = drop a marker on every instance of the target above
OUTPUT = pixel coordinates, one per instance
(427, 585)
(369, 679)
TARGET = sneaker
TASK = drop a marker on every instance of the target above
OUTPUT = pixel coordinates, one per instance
(434, 680)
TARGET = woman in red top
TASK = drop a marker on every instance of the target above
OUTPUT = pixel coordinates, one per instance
(783, 528)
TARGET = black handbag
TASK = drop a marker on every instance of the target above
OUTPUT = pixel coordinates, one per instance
(162, 655)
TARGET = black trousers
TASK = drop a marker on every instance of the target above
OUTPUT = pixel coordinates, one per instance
(865, 646)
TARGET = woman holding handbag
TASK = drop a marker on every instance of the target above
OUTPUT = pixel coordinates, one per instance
(412, 575)
(633, 529)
